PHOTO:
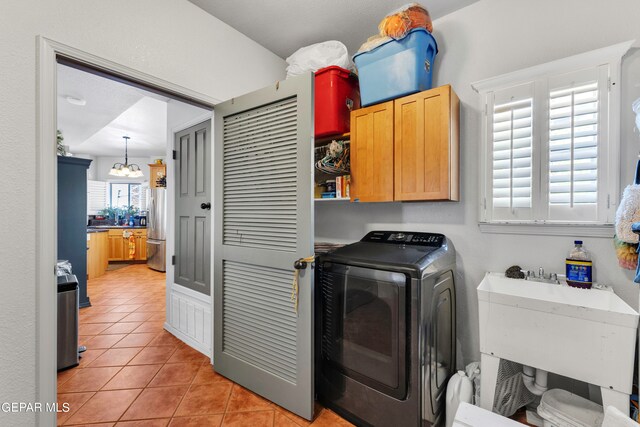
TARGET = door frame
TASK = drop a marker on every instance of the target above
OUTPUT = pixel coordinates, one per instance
(48, 51)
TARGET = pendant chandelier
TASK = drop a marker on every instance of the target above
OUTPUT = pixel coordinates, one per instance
(125, 169)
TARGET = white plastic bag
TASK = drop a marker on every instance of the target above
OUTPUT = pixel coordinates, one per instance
(317, 56)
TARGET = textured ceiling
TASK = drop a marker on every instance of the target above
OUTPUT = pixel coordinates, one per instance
(283, 26)
(113, 110)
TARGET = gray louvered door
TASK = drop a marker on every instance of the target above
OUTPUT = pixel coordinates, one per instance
(263, 199)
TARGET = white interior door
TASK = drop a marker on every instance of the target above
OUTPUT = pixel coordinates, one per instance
(263, 201)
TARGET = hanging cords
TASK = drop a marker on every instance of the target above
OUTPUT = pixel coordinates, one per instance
(296, 276)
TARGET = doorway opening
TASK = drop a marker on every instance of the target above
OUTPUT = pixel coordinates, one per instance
(111, 269)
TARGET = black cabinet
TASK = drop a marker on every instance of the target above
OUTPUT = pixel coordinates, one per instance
(72, 219)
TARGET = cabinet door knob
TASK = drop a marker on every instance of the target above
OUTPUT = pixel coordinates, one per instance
(206, 206)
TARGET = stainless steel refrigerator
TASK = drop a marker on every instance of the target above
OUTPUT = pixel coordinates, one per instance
(156, 228)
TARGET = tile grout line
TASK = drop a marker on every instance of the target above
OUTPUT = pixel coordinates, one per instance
(154, 300)
(65, 423)
(173, 415)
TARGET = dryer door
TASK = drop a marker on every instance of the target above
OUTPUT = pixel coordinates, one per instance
(364, 326)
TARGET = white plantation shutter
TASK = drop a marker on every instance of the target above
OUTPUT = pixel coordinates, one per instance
(96, 196)
(511, 135)
(551, 144)
(549, 153)
(573, 145)
(577, 106)
(512, 154)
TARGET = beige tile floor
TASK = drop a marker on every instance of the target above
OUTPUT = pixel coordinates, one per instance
(134, 373)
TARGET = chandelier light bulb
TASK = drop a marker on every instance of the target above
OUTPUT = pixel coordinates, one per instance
(125, 169)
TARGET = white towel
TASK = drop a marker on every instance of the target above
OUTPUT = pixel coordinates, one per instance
(628, 212)
(613, 417)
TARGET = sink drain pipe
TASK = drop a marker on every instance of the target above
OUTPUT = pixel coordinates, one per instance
(535, 380)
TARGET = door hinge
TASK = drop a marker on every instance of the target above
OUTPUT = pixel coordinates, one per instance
(173, 260)
(609, 84)
(175, 154)
(608, 201)
(484, 203)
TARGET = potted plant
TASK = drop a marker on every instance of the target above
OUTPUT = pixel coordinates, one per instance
(61, 150)
(110, 213)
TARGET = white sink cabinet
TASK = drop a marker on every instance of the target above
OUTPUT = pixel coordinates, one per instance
(586, 334)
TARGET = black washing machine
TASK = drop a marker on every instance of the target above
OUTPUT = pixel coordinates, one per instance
(385, 328)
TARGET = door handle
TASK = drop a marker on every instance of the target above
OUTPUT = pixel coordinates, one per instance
(206, 206)
(300, 264)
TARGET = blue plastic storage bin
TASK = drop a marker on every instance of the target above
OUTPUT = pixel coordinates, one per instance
(397, 68)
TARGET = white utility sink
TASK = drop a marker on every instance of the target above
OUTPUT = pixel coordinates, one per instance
(586, 334)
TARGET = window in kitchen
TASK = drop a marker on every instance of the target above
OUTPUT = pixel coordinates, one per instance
(551, 142)
(127, 194)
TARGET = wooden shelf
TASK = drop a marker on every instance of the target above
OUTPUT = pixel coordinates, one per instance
(333, 199)
(327, 139)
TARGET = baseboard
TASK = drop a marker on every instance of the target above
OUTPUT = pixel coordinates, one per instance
(188, 340)
(189, 318)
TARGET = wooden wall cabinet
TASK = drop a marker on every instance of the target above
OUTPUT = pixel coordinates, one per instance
(372, 153)
(156, 171)
(407, 149)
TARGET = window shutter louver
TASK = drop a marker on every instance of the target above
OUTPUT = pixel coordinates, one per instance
(512, 154)
(573, 145)
(551, 146)
(96, 196)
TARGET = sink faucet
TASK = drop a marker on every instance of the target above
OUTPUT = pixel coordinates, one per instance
(531, 275)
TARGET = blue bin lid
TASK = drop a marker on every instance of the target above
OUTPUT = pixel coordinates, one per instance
(420, 29)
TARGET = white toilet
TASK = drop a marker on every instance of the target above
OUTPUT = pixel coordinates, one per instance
(559, 408)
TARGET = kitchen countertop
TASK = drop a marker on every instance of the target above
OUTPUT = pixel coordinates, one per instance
(106, 227)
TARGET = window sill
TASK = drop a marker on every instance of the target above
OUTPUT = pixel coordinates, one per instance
(573, 230)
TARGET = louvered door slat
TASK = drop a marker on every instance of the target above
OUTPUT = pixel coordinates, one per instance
(256, 146)
(256, 115)
(263, 211)
(268, 307)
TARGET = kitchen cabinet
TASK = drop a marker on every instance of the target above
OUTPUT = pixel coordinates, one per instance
(97, 254)
(119, 246)
(141, 245)
(157, 172)
(116, 245)
(407, 149)
(72, 219)
(372, 153)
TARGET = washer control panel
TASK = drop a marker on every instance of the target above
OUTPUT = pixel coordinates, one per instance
(405, 237)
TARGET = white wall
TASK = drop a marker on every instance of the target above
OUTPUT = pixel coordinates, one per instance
(486, 39)
(169, 39)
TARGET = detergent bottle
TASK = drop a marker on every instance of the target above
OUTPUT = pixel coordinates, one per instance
(579, 267)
